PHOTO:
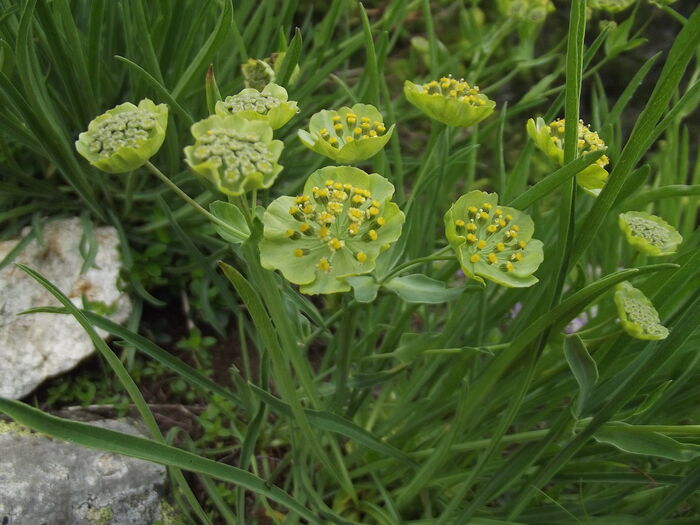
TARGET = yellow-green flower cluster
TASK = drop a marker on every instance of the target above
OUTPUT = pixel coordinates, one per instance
(334, 229)
(450, 101)
(612, 6)
(493, 242)
(649, 234)
(125, 137)
(235, 154)
(347, 135)
(534, 11)
(637, 314)
(549, 138)
(270, 105)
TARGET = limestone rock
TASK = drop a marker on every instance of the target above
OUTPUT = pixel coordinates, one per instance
(53, 482)
(38, 346)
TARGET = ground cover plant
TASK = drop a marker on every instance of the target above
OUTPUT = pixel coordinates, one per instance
(407, 262)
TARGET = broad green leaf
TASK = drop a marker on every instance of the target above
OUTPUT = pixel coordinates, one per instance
(419, 288)
(583, 367)
(364, 287)
(238, 230)
(636, 440)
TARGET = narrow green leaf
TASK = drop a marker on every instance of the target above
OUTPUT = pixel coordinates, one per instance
(419, 288)
(583, 367)
(290, 60)
(137, 447)
(635, 440)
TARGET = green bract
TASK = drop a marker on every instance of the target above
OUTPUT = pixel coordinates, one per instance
(257, 73)
(534, 11)
(491, 241)
(450, 101)
(612, 6)
(649, 234)
(549, 138)
(235, 154)
(348, 135)
(335, 229)
(124, 138)
(270, 105)
(637, 313)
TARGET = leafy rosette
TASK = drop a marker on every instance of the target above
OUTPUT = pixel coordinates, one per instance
(270, 104)
(235, 154)
(637, 314)
(335, 229)
(549, 138)
(125, 137)
(450, 101)
(649, 234)
(348, 135)
(493, 242)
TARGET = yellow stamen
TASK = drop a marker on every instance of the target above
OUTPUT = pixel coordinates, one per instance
(475, 258)
(323, 265)
(500, 246)
(481, 245)
(361, 257)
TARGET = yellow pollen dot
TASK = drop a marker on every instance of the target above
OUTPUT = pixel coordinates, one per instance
(365, 126)
(471, 227)
(500, 246)
(349, 140)
(358, 199)
(354, 228)
(210, 132)
(299, 252)
(347, 186)
(517, 256)
(336, 118)
(357, 131)
(475, 258)
(333, 141)
(372, 133)
(324, 232)
(483, 215)
(515, 227)
(325, 217)
(459, 223)
(376, 203)
(509, 217)
(498, 212)
(338, 185)
(304, 227)
(338, 127)
(329, 182)
(372, 234)
(336, 244)
(453, 93)
(324, 132)
(471, 237)
(509, 266)
(355, 214)
(293, 210)
(522, 245)
(381, 221)
(491, 228)
(492, 258)
(472, 209)
(381, 129)
(323, 192)
(481, 245)
(289, 233)
(365, 120)
(339, 195)
(361, 257)
(511, 234)
(301, 199)
(308, 208)
(373, 212)
(323, 265)
(335, 207)
(487, 206)
(501, 223)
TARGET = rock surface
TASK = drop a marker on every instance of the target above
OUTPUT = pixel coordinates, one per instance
(38, 346)
(53, 482)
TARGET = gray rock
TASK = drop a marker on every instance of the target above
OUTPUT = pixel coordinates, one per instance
(38, 346)
(46, 481)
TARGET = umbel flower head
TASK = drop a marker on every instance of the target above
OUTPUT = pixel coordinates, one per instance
(611, 6)
(637, 314)
(270, 104)
(347, 135)
(534, 11)
(125, 137)
(450, 101)
(257, 73)
(649, 234)
(235, 154)
(493, 242)
(549, 138)
(334, 229)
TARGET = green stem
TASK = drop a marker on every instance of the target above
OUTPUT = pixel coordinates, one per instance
(437, 256)
(187, 198)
